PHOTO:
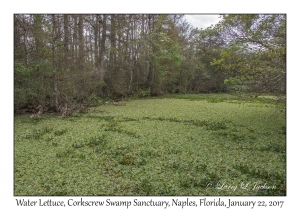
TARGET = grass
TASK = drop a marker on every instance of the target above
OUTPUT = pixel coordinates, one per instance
(176, 145)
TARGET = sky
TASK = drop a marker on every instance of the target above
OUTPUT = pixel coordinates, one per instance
(202, 21)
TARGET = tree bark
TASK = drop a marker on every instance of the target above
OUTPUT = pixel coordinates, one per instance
(66, 34)
(54, 71)
(81, 58)
(102, 69)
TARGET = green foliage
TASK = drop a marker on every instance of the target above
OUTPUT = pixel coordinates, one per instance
(271, 177)
(37, 134)
(274, 148)
(167, 56)
(114, 127)
(21, 70)
(23, 90)
(178, 145)
(99, 141)
(145, 187)
(216, 126)
(93, 99)
(256, 55)
(167, 51)
(60, 132)
(209, 45)
(166, 59)
(144, 93)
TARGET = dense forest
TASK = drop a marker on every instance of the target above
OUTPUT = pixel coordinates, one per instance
(74, 59)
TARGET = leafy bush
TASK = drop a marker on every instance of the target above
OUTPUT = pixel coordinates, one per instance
(144, 92)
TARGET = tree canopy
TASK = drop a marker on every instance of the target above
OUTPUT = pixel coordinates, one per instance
(67, 58)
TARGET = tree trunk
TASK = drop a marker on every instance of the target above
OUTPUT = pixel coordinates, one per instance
(54, 73)
(81, 58)
(102, 69)
(66, 35)
(96, 47)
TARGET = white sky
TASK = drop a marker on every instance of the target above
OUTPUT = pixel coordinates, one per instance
(202, 21)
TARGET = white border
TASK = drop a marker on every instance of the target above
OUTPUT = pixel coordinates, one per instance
(8, 8)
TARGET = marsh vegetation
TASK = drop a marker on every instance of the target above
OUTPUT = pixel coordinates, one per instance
(172, 145)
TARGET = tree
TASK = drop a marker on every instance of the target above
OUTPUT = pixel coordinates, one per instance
(256, 52)
(70, 58)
